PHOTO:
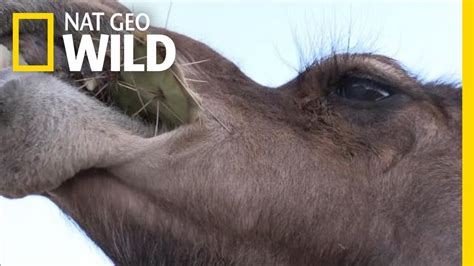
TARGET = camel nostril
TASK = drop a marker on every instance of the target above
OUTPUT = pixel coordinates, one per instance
(7, 106)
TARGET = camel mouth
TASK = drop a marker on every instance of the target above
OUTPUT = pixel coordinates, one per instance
(164, 99)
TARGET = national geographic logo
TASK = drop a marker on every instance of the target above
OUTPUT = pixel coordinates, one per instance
(90, 22)
(17, 67)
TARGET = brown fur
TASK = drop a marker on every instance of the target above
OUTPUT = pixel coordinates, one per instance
(302, 178)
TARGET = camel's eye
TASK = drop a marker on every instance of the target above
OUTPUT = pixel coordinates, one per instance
(363, 89)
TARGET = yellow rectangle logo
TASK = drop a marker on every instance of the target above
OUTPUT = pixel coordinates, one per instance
(49, 67)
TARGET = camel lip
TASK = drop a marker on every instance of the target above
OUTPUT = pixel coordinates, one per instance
(71, 184)
(101, 190)
(89, 176)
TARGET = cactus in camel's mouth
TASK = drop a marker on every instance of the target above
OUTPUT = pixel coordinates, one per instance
(161, 98)
(156, 96)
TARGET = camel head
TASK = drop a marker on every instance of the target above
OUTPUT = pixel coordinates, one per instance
(354, 161)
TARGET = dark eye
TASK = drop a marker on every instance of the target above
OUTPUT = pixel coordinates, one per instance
(363, 89)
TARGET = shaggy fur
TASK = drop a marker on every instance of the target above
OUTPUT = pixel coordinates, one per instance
(296, 176)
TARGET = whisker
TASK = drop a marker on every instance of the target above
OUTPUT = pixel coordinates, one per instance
(194, 63)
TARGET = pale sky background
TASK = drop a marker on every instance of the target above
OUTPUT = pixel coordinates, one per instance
(262, 39)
